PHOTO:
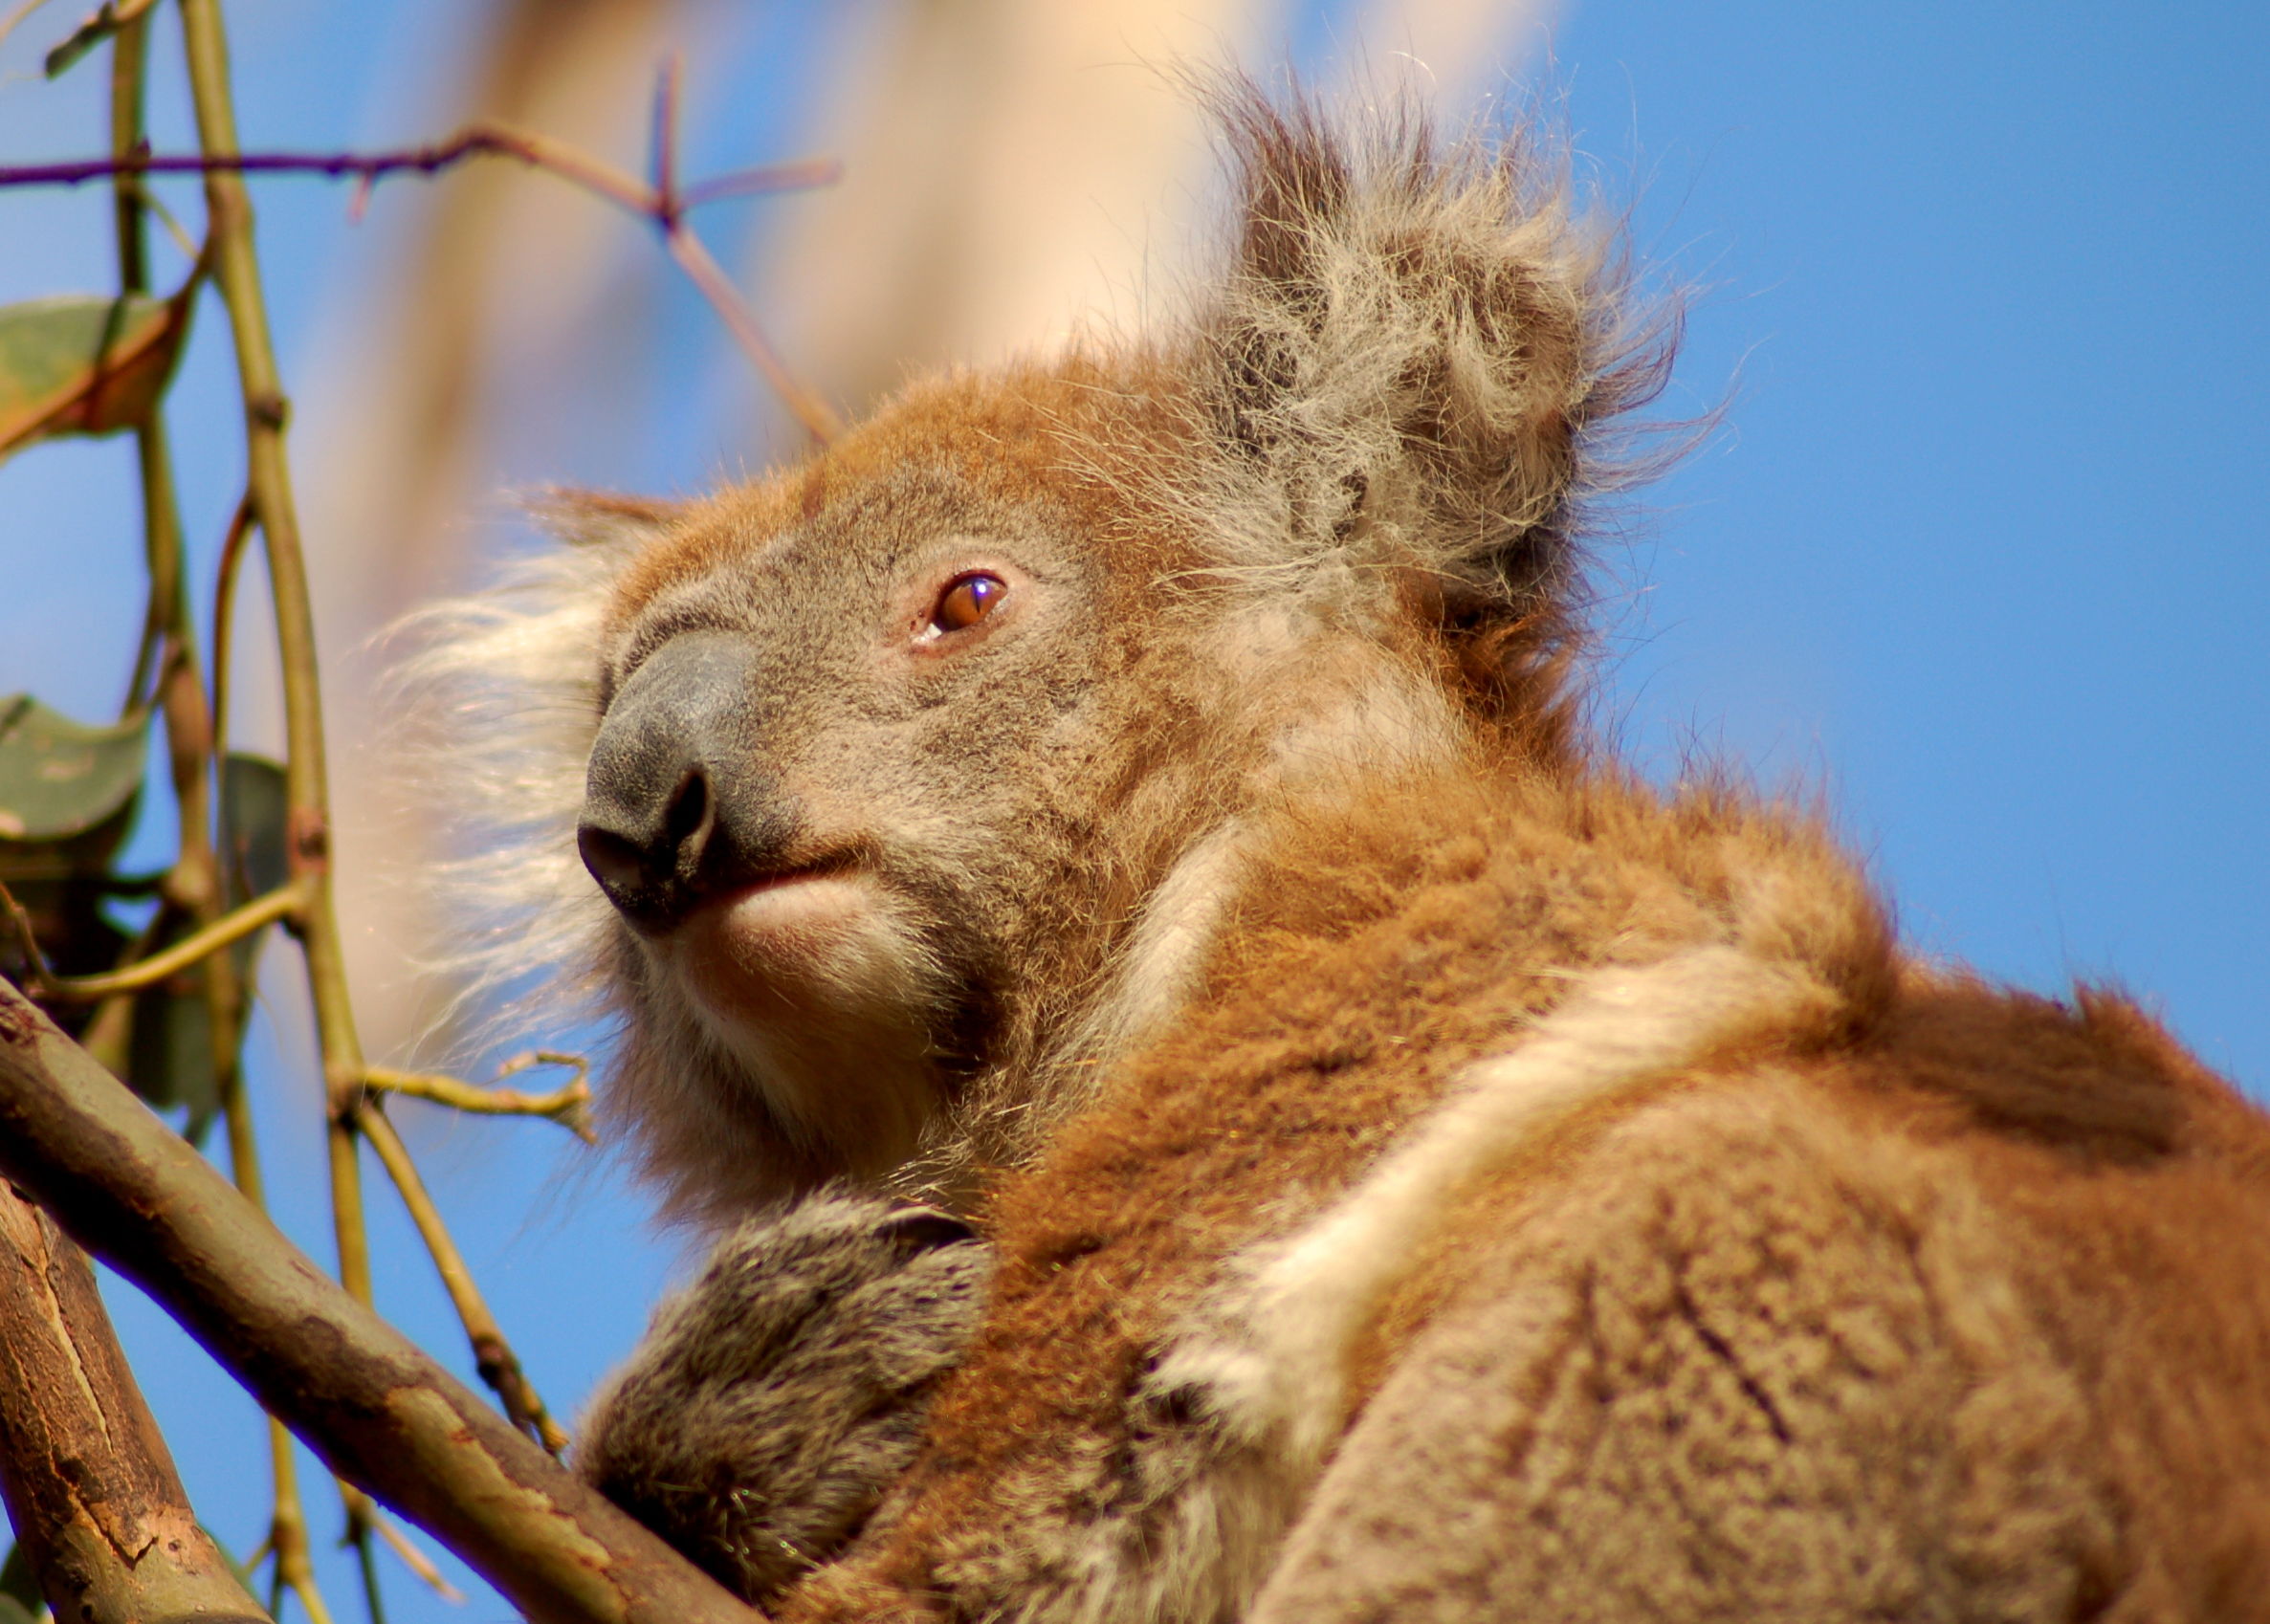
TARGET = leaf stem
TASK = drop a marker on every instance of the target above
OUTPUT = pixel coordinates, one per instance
(493, 1357)
(282, 903)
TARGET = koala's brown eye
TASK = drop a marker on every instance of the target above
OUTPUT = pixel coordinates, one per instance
(967, 600)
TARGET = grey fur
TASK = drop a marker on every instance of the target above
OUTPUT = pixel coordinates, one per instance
(777, 1396)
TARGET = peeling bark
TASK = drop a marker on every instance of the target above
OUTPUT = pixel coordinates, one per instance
(379, 1411)
(89, 1485)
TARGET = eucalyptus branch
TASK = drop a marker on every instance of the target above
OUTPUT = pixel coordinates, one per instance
(663, 203)
(493, 1357)
(282, 903)
(90, 1487)
(237, 273)
(224, 604)
(483, 138)
(569, 1105)
(380, 1412)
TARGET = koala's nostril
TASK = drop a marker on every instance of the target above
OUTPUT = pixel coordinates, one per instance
(686, 826)
(618, 863)
(647, 865)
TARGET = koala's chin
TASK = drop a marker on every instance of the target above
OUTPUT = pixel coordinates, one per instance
(821, 991)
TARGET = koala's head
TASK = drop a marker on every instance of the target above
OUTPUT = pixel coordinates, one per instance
(911, 778)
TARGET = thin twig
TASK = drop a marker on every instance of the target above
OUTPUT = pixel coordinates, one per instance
(224, 604)
(287, 1541)
(27, 941)
(667, 202)
(183, 242)
(493, 1357)
(819, 418)
(570, 1106)
(413, 1558)
(281, 903)
(268, 482)
(661, 203)
(483, 139)
(695, 259)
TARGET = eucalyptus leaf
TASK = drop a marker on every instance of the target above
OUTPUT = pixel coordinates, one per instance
(83, 363)
(255, 807)
(169, 1056)
(59, 777)
(67, 799)
(14, 1612)
(18, 1584)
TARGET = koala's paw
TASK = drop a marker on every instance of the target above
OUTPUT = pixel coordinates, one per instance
(776, 1399)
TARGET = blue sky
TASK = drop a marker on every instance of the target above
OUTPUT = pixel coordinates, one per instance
(1982, 548)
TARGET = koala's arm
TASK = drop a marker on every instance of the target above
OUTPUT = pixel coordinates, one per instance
(776, 1399)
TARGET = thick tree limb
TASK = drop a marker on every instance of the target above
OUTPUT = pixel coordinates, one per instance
(378, 1411)
(90, 1486)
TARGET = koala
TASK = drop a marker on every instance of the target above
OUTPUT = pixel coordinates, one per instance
(778, 1395)
(1138, 802)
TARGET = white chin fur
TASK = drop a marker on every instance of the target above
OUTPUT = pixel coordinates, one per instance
(823, 991)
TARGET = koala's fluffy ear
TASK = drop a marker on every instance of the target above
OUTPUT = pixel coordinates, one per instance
(1416, 342)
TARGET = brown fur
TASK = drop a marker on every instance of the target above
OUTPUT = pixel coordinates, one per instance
(1429, 1174)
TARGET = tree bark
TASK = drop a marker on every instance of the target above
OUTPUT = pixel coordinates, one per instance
(90, 1487)
(378, 1411)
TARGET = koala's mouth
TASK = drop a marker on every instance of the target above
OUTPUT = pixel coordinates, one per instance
(766, 924)
(660, 902)
(820, 940)
(740, 887)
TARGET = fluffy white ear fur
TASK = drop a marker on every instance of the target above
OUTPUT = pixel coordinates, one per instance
(1416, 354)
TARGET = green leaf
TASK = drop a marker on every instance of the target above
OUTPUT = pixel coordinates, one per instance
(19, 1586)
(67, 799)
(169, 1059)
(59, 777)
(170, 1054)
(254, 858)
(84, 365)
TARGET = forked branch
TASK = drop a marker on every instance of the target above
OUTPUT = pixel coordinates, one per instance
(664, 202)
(375, 1408)
(569, 1105)
(493, 1357)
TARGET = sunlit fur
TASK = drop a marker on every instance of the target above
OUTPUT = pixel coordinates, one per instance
(1430, 1174)
(1243, 496)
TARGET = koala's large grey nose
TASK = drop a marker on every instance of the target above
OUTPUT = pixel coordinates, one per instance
(675, 806)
